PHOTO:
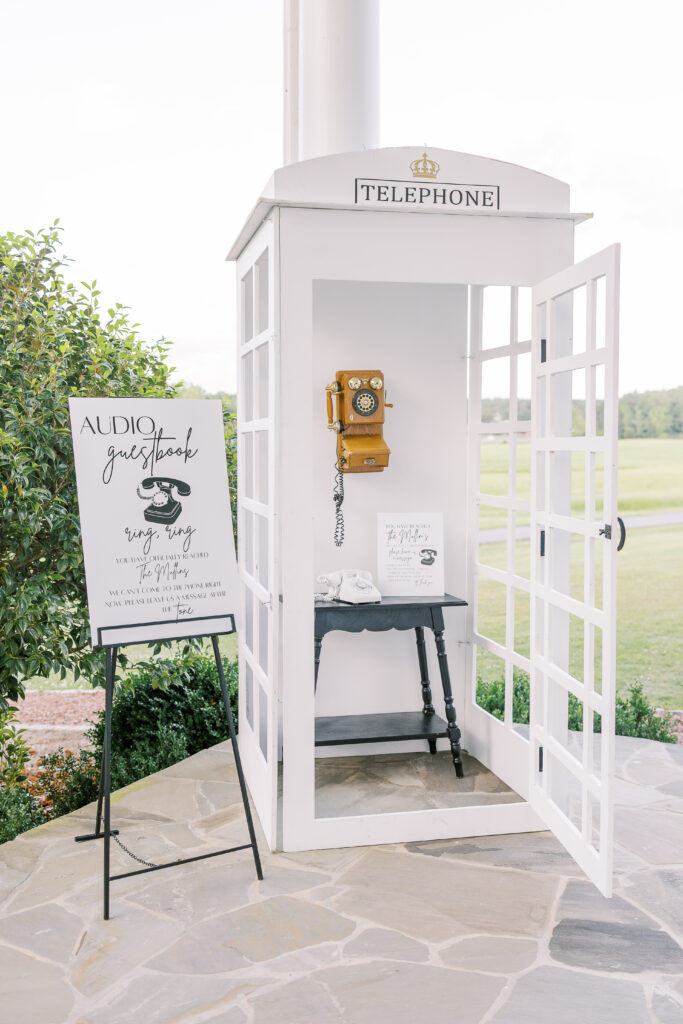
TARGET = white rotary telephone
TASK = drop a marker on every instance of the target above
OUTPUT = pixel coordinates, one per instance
(350, 586)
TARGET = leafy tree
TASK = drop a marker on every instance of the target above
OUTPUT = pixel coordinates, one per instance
(55, 342)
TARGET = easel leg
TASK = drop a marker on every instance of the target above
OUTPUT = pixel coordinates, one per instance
(238, 760)
(98, 833)
(111, 672)
(453, 730)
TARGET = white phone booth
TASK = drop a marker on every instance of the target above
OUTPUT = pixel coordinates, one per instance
(454, 275)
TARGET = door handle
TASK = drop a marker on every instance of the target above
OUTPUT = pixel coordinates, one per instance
(622, 533)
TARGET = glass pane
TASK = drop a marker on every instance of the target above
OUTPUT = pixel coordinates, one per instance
(248, 463)
(568, 403)
(249, 692)
(520, 700)
(248, 387)
(263, 721)
(493, 467)
(248, 306)
(600, 312)
(263, 636)
(540, 480)
(491, 610)
(496, 316)
(490, 675)
(522, 613)
(495, 390)
(599, 386)
(564, 790)
(599, 485)
(262, 381)
(493, 539)
(523, 468)
(262, 292)
(579, 319)
(248, 521)
(524, 386)
(524, 314)
(261, 571)
(597, 659)
(522, 534)
(262, 466)
(249, 620)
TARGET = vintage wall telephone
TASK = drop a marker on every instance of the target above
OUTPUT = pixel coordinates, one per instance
(164, 508)
(350, 586)
(361, 401)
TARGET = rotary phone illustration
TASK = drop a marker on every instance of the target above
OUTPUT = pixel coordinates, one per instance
(361, 401)
(164, 507)
(349, 586)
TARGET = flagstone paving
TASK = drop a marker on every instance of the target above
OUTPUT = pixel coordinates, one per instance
(487, 930)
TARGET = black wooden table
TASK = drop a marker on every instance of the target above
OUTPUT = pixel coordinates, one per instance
(393, 613)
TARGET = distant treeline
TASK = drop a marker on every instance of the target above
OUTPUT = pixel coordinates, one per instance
(195, 391)
(641, 413)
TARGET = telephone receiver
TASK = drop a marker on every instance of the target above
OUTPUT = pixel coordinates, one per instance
(428, 556)
(350, 586)
(164, 507)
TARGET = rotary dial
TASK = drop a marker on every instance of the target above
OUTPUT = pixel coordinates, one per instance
(365, 402)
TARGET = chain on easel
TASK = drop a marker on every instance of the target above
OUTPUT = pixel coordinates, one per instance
(147, 863)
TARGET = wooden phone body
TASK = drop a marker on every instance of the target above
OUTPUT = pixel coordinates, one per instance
(361, 401)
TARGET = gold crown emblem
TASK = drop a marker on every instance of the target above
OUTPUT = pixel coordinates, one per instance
(424, 168)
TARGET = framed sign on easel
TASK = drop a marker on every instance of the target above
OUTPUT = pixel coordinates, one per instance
(158, 547)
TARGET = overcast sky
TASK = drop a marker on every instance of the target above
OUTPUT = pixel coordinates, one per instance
(150, 126)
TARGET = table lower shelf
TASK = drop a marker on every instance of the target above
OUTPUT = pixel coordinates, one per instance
(404, 725)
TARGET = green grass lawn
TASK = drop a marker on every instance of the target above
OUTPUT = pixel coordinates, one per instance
(649, 612)
(650, 476)
(138, 652)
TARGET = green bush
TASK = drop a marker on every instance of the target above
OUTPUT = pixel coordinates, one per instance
(19, 811)
(66, 781)
(165, 747)
(169, 705)
(634, 716)
(14, 752)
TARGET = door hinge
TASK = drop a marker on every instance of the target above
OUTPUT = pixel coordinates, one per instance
(542, 543)
(544, 354)
(540, 759)
(607, 532)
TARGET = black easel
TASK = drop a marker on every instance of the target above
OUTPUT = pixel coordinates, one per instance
(104, 793)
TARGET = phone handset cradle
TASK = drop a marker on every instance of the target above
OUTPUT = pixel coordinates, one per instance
(349, 586)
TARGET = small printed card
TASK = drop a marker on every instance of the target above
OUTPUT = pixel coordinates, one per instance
(410, 557)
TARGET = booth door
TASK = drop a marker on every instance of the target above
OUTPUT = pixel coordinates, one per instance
(575, 533)
(257, 355)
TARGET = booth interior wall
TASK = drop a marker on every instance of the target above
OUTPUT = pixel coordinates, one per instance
(416, 334)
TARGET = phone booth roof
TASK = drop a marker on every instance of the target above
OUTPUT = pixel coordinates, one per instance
(412, 179)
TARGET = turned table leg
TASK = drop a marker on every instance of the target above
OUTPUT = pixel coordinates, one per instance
(453, 730)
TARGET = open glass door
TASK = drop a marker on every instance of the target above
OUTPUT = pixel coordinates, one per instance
(258, 703)
(574, 534)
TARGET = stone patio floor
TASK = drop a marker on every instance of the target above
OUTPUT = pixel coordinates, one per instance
(503, 929)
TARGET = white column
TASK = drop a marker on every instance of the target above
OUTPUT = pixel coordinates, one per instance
(331, 71)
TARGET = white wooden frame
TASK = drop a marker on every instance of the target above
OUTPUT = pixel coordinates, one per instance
(496, 743)
(551, 787)
(256, 418)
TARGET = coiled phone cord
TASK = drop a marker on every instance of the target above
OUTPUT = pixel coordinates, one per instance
(338, 502)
